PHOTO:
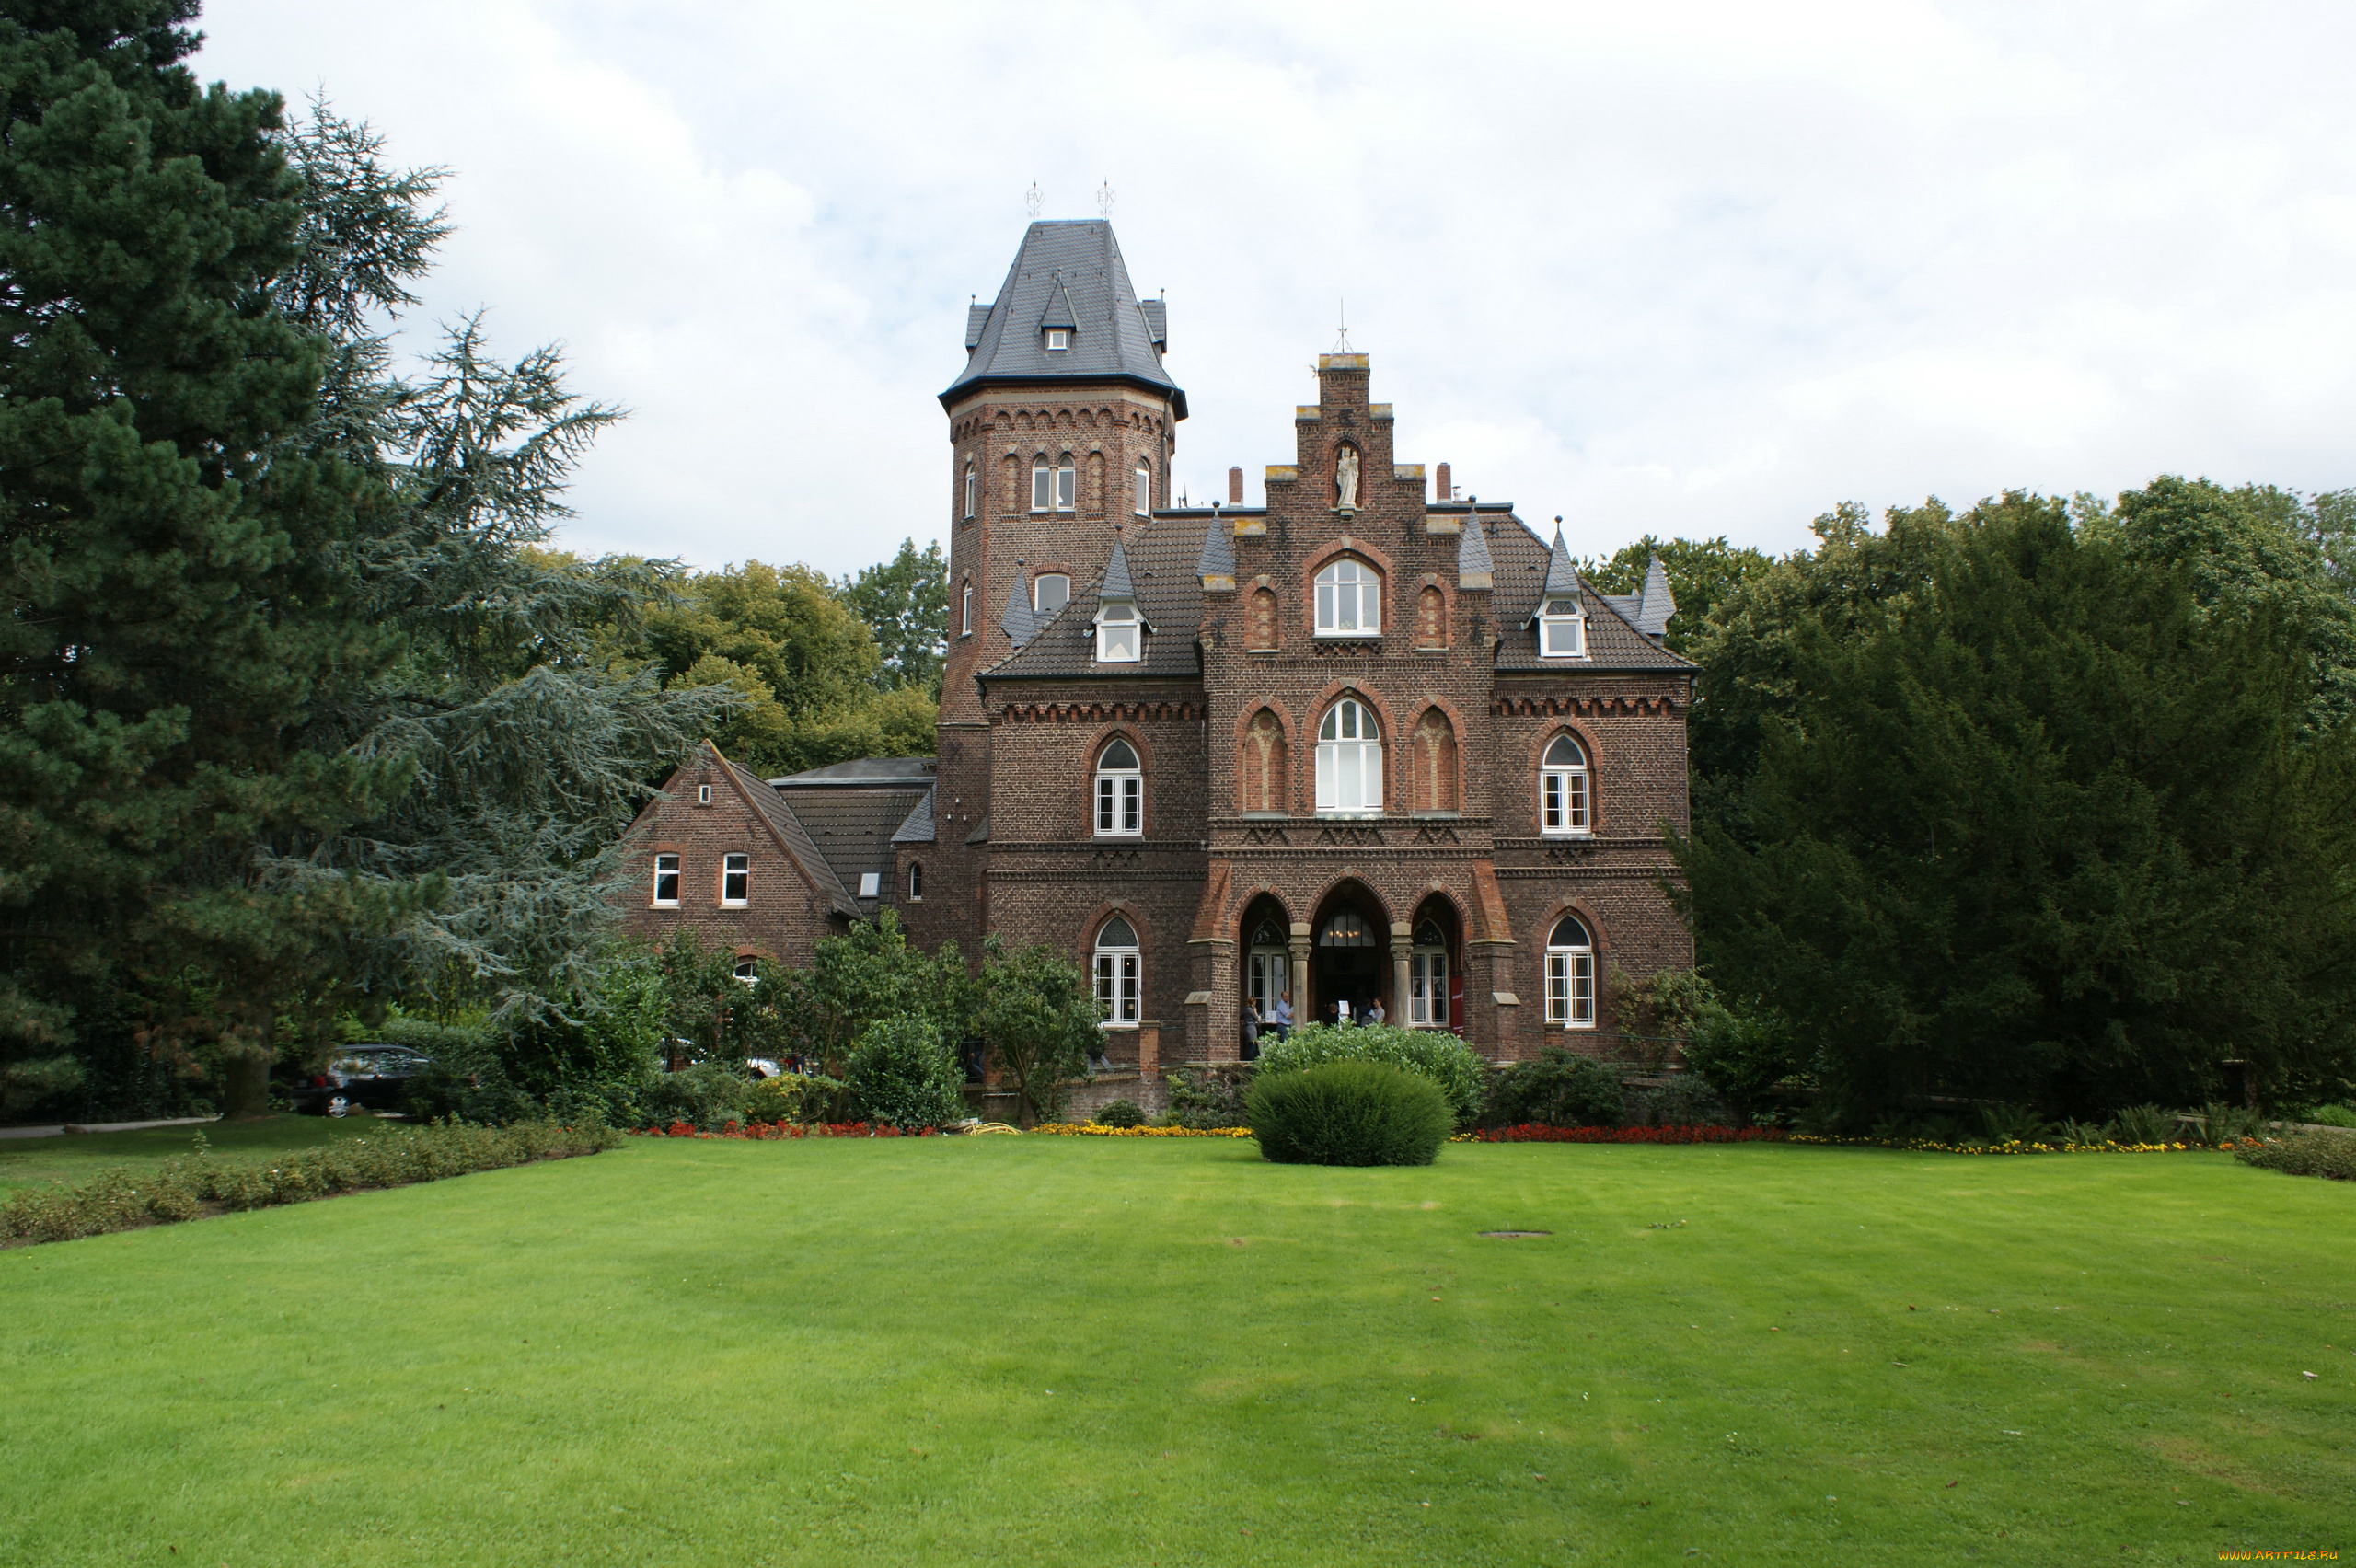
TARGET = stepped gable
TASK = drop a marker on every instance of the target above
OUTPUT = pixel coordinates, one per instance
(851, 812)
(1612, 640)
(1160, 560)
(1067, 273)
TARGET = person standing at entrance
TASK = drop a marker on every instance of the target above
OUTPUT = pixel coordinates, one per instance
(1251, 1052)
(1282, 1019)
(1374, 1011)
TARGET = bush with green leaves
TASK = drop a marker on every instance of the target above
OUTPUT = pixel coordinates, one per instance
(1039, 1016)
(1558, 1088)
(2144, 1124)
(2331, 1155)
(901, 1075)
(1120, 1114)
(1683, 1101)
(2330, 1116)
(707, 1096)
(1351, 1112)
(1209, 1096)
(1433, 1053)
(186, 1188)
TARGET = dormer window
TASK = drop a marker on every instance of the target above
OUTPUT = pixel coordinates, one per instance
(1561, 630)
(1118, 634)
(1058, 339)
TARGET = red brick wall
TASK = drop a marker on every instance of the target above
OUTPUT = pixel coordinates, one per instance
(783, 916)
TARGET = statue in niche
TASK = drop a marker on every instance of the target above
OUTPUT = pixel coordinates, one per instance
(1345, 479)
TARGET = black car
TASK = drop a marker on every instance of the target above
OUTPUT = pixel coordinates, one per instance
(361, 1077)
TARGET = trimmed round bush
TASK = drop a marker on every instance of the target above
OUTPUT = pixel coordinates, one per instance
(1349, 1113)
(1121, 1114)
(901, 1075)
(1429, 1052)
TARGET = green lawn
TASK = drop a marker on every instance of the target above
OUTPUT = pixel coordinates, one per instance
(1096, 1352)
(27, 1162)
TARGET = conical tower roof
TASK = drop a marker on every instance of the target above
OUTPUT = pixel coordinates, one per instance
(1067, 269)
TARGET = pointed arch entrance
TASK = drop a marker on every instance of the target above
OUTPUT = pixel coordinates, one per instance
(1349, 956)
(1436, 967)
(1268, 958)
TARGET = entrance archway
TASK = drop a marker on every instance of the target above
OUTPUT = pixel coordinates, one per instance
(1435, 967)
(1267, 957)
(1349, 956)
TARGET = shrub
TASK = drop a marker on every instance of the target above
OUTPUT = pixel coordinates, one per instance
(2145, 1125)
(1430, 1053)
(2331, 1155)
(789, 1097)
(1349, 1112)
(1206, 1099)
(1120, 1114)
(1558, 1087)
(2011, 1124)
(707, 1095)
(181, 1189)
(2330, 1116)
(2222, 1124)
(901, 1075)
(1683, 1101)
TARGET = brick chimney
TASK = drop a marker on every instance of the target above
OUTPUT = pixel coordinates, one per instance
(1235, 487)
(1441, 487)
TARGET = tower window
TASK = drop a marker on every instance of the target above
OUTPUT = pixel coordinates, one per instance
(1058, 339)
(1042, 483)
(1050, 591)
(1116, 974)
(1067, 484)
(916, 882)
(737, 879)
(973, 490)
(1145, 487)
(965, 612)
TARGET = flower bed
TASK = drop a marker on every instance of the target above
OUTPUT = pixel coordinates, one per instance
(1534, 1132)
(1093, 1130)
(2015, 1146)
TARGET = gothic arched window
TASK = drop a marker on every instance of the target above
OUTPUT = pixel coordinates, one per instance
(1042, 483)
(1562, 789)
(1349, 759)
(1116, 974)
(1120, 793)
(1066, 482)
(1570, 976)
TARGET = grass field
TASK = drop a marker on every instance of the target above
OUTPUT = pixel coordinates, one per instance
(1066, 1351)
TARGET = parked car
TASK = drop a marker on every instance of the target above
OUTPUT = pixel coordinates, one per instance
(361, 1076)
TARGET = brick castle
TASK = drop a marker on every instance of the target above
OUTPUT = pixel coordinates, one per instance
(1368, 744)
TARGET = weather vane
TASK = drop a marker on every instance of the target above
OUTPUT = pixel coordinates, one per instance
(1104, 199)
(1341, 342)
(1031, 200)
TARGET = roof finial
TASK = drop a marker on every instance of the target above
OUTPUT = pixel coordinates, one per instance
(1031, 201)
(1342, 342)
(1104, 199)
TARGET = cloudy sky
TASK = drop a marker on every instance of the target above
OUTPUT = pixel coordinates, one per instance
(1681, 267)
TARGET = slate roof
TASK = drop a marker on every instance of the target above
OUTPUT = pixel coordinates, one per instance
(1163, 558)
(1217, 558)
(913, 772)
(917, 828)
(1612, 640)
(1020, 619)
(1159, 561)
(1070, 269)
(795, 836)
(854, 828)
(1649, 607)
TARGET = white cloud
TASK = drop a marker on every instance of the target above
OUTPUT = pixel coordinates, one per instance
(1693, 267)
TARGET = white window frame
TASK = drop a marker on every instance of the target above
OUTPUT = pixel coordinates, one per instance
(1565, 802)
(1349, 765)
(870, 884)
(1058, 339)
(1066, 483)
(1143, 486)
(1043, 484)
(736, 881)
(1270, 977)
(965, 612)
(666, 867)
(1561, 634)
(1428, 981)
(1046, 577)
(1349, 600)
(1120, 634)
(747, 972)
(915, 882)
(973, 489)
(1570, 976)
(1118, 970)
(1120, 793)
(703, 794)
